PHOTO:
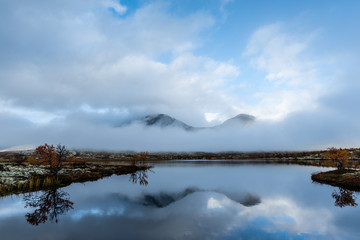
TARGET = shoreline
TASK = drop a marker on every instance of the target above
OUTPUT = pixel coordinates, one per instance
(17, 175)
(21, 178)
(106, 156)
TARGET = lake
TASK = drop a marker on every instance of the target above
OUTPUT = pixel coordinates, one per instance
(188, 200)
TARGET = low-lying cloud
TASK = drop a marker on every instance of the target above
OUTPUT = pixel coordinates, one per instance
(73, 72)
(302, 131)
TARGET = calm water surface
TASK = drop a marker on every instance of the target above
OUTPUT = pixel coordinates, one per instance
(185, 200)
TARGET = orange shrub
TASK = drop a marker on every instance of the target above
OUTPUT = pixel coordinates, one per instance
(50, 156)
(338, 158)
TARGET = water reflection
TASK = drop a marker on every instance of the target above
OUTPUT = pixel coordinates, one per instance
(163, 199)
(182, 202)
(344, 197)
(200, 214)
(140, 177)
(47, 206)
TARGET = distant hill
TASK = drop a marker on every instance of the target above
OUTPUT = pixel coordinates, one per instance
(20, 148)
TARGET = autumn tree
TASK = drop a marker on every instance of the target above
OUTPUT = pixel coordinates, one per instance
(338, 158)
(140, 158)
(51, 156)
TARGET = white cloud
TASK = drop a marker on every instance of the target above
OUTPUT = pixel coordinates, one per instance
(109, 62)
(116, 5)
(87, 56)
(74, 65)
(214, 203)
(279, 54)
(289, 72)
(211, 116)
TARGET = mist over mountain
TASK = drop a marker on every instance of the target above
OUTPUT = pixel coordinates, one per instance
(163, 121)
(302, 131)
(166, 121)
(241, 119)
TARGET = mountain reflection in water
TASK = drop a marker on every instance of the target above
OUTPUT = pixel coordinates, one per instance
(164, 199)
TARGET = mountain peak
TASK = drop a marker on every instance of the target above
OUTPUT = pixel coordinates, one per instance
(244, 117)
(240, 118)
(163, 120)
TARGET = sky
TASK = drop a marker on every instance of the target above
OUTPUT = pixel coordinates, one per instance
(72, 70)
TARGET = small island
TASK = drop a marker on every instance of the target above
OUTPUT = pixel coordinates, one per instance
(344, 178)
(346, 174)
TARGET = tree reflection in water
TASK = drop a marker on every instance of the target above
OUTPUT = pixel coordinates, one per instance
(48, 206)
(344, 198)
(140, 177)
